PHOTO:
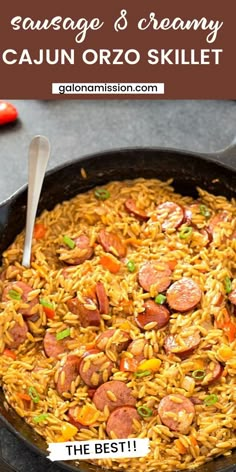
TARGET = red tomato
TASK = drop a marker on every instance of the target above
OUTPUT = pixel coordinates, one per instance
(8, 113)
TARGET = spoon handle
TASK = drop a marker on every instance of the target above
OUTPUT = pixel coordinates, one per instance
(39, 151)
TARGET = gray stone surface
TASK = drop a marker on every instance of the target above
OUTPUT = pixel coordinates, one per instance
(76, 128)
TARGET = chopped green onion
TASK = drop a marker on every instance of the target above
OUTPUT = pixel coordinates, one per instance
(69, 242)
(14, 294)
(144, 411)
(33, 394)
(102, 194)
(185, 232)
(198, 374)
(131, 266)
(142, 373)
(160, 299)
(63, 334)
(40, 418)
(47, 304)
(228, 285)
(211, 399)
(205, 211)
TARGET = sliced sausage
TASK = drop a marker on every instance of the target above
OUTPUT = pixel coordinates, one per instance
(91, 392)
(215, 225)
(184, 294)
(51, 346)
(190, 211)
(131, 207)
(120, 422)
(102, 298)
(213, 371)
(81, 252)
(220, 217)
(136, 348)
(183, 349)
(202, 237)
(111, 242)
(176, 412)
(119, 344)
(67, 374)
(113, 394)
(18, 334)
(155, 274)
(87, 312)
(25, 289)
(170, 215)
(232, 296)
(72, 418)
(153, 313)
(95, 368)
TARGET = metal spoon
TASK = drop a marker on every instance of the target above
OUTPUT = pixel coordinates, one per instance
(39, 151)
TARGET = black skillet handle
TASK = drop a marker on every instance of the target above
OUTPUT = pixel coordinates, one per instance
(226, 156)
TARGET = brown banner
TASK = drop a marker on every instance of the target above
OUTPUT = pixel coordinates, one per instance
(185, 49)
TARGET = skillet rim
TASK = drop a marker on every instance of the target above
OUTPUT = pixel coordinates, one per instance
(216, 157)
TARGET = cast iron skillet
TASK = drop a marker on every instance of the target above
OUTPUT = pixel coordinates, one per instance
(188, 169)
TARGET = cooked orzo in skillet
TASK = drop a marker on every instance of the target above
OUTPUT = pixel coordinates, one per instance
(124, 325)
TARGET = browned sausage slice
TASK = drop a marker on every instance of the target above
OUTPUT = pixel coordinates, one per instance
(196, 401)
(95, 368)
(176, 412)
(120, 422)
(87, 312)
(213, 371)
(137, 349)
(215, 225)
(170, 215)
(184, 294)
(119, 344)
(153, 313)
(206, 236)
(183, 349)
(220, 217)
(102, 298)
(67, 374)
(18, 334)
(113, 394)
(80, 253)
(83, 250)
(111, 242)
(24, 291)
(131, 207)
(190, 211)
(155, 274)
(51, 346)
